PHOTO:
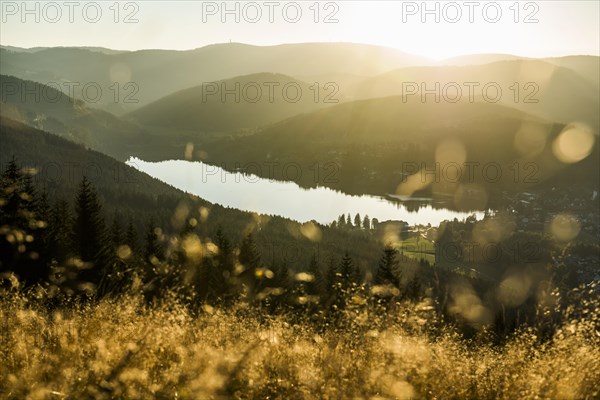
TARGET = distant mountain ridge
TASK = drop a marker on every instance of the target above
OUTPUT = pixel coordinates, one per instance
(158, 73)
(542, 87)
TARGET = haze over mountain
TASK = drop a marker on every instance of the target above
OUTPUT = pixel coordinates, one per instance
(103, 50)
(366, 138)
(158, 73)
(542, 87)
(254, 100)
(478, 59)
(376, 143)
(585, 65)
(47, 108)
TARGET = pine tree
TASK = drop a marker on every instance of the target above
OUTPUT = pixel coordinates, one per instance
(29, 197)
(43, 243)
(116, 231)
(366, 223)
(349, 274)
(88, 225)
(249, 258)
(225, 254)
(331, 278)
(315, 287)
(10, 186)
(43, 210)
(131, 237)
(357, 221)
(388, 267)
(281, 278)
(59, 231)
(21, 233)
(153, 249)
(349, 221)
(89, 234)
(219, 269)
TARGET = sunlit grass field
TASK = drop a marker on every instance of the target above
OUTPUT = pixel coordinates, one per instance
(125, 348)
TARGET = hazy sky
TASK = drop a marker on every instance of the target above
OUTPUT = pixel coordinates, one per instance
(540, 28)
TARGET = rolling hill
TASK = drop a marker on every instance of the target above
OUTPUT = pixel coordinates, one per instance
(544, 89)
(45, 107)
(158, 73)
(257, 100)
(585, 65)
(373, 145)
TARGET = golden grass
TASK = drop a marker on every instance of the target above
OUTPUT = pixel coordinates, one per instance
(124, 348)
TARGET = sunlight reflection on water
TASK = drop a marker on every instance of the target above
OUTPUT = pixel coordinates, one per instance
(285, 199)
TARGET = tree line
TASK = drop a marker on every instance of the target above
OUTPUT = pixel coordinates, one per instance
(73, 249)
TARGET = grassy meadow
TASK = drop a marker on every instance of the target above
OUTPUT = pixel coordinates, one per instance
(125, 348)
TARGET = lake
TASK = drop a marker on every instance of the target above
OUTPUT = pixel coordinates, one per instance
(286, 199)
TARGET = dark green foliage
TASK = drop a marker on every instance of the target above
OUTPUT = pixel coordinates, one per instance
(89, 232)
(349, 274)
(59, 231)
(163, 267)
(387, 271)
(131, 238)
(13, 206)
(117, 235)
(153, 251)
(139, 197)
(357, 221)
(249, 259)
(90, 238)
(366, 224)
(331, 278)
(21, 226)
(316, 287)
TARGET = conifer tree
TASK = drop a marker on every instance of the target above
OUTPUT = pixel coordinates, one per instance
(388, 267)
(366, 223)
(43, 244)
(315, 287)
(349, 274)
(219, 269)
(357, 221)
(11, 189)
(332, 278)
(374, 223)
(20, 236)
(153, 249)
(131, 237)
(116, 231)
(89, 235)
(249, 258)
(59, 232)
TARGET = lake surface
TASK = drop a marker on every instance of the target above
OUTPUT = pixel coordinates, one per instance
(285, 199)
